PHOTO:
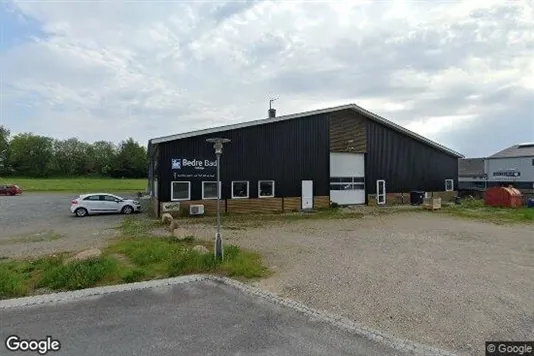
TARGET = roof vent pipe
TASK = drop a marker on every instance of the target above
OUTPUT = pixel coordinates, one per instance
(272, 112)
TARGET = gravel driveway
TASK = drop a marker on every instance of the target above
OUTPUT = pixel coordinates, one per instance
(41, 223)
(427, 277)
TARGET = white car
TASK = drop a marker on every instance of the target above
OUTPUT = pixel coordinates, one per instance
(103, 203)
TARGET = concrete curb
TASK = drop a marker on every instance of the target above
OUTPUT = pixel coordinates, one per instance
(346, 324)
(71, 296)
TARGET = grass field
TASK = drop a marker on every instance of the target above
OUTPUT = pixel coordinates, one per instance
(136, 256)
(475, 209)
(77, 184)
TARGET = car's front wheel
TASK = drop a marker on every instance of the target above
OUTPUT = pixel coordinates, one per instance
(127, 210)
(81, 212)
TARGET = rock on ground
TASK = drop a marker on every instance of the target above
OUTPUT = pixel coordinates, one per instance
(201, 249)
(173, 225)
(181, 234)
(166, 218)
(90, 254)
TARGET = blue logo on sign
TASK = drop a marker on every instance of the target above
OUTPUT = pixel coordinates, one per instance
(176, 163)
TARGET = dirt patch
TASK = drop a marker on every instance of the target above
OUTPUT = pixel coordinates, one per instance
(123, 259)
(37, 237)
(435, 279)
(59, 240)
(160, 231)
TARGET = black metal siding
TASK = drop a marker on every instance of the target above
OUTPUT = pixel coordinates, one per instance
(405, 163)
(286, 152)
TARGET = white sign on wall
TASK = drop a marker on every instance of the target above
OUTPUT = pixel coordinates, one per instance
(186, 168)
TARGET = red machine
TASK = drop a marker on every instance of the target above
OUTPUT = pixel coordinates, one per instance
(503, 196)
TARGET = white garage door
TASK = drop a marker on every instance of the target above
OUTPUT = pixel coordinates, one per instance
(347, 184)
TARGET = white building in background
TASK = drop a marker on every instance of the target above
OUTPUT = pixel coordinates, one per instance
(511, 166)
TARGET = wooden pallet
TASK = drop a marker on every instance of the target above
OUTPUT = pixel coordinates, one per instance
(432, 203)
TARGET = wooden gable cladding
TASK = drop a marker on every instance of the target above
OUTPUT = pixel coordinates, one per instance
(259, 205)
(321, 202)
(348, 132)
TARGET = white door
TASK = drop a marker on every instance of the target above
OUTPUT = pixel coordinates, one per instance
(307, 194)
(347, 178)
(381, 192)
(110, 204)
(92, 203)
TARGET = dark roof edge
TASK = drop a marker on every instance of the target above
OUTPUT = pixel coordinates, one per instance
(354, 107)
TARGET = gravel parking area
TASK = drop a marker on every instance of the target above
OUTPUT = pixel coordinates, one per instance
(41, 223)
(431, 278)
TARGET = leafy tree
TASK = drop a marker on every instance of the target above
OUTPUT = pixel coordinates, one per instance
(102, 157)
(131, 160)
(71, 157)
(31, 155)
(4, 150)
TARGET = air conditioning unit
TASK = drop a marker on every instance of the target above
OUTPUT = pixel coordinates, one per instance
(196, 209)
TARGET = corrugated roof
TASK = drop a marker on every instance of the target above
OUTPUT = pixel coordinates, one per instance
(354, 107)
(470, 167)
(519, 150)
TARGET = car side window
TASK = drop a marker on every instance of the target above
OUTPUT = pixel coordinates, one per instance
(92, 198)
(108, 198)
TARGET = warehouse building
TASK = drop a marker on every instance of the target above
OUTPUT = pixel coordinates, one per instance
(513, 166)
(345, 155)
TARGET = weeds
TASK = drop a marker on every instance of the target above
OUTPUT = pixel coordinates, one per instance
(146, 257)
(78, 275)
(134, 275)
(12, 282)
(476, 209)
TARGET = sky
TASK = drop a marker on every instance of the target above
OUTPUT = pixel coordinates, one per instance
(458, 72)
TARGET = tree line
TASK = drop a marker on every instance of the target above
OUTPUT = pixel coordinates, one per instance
(30, 155)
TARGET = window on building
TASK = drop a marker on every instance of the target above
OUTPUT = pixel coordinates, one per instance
(266, 188)
(449, 185)
(209, 190)
(180, 191)
(240, 189)
(347, 183)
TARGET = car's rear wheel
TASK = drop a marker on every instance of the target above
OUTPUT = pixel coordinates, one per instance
(81, 212)
(127, 210)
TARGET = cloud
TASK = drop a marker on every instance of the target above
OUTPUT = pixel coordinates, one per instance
(457, 72)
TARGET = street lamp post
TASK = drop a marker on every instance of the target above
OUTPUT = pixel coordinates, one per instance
(218, 146)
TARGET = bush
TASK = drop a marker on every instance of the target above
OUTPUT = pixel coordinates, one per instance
(134, 275)
(144, 252)
(12, 282)
(231, 252)
(191, 262)
(78, 275)
(244, 264)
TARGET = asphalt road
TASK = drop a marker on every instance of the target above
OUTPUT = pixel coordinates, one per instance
(200, 318)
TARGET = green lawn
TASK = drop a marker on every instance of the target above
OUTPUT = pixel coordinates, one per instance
(137, 255)
(77, 184)
(475, 209)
